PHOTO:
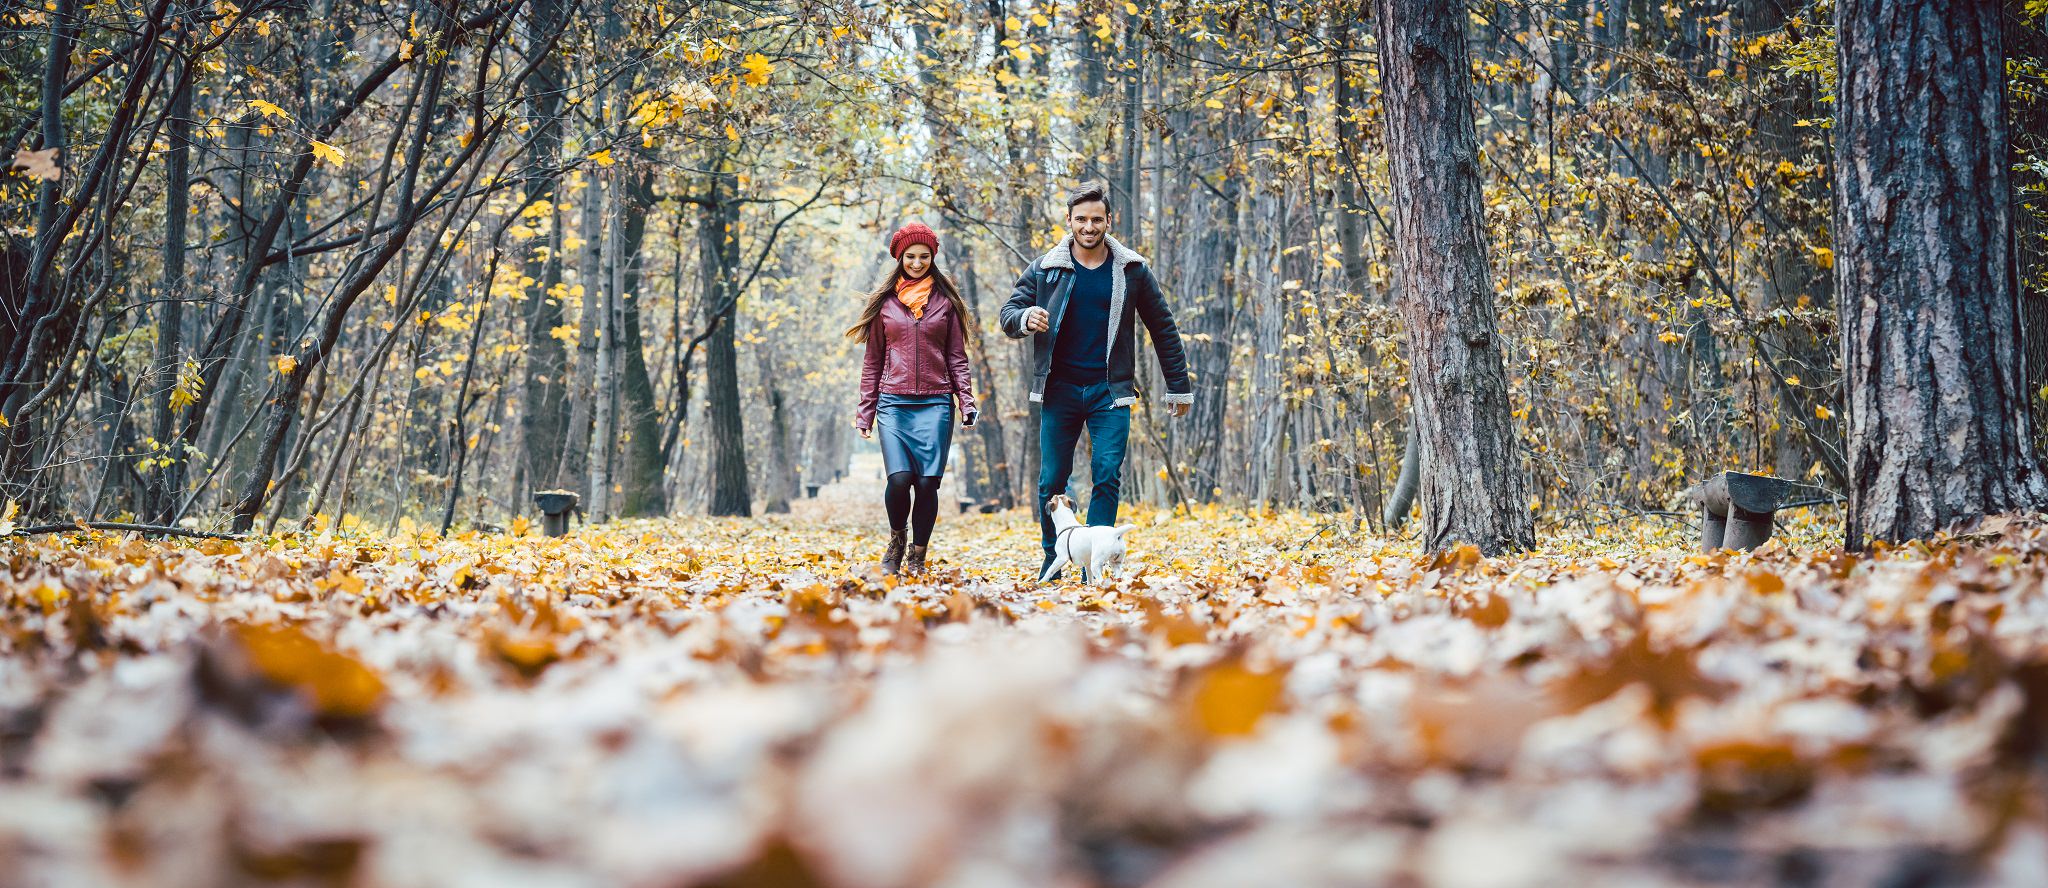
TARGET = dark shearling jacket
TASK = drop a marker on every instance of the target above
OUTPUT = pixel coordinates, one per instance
(1133, 297)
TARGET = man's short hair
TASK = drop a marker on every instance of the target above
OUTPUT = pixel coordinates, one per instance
(1086, 192)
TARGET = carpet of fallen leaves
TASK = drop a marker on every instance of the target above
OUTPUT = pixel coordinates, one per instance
(1269, 700)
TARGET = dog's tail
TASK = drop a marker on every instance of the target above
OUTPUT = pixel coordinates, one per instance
(1122, 529)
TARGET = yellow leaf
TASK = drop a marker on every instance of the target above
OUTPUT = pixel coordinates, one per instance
(1131, 8)
(758, 68)
(1822, 412)
(285, 364)
(1228, 699)
(603, 158)
(1824, 257)
(731, 133)
(1212, 103)
(326, 152)
(269, 109)
(334, 684)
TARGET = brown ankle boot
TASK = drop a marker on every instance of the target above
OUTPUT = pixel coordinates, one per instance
(916, 565)
(892, 557)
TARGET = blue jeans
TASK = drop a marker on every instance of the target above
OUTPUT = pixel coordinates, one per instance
(1068, 408)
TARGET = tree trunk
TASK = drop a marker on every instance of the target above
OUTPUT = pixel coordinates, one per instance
(604, 394)
(1935, 387)
(1403, 496)
(646, 462)
(730, 493)
(590, 325)
(544, 419)
(167, 482)
(782, 481)
(1473, 487)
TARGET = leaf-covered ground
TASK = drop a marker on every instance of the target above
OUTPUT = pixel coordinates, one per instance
(1270, 701)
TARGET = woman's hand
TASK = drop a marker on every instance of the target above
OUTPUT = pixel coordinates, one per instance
(865, 431)
(972, 415)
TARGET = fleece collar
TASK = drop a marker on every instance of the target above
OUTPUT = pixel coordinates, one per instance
(1062, 254)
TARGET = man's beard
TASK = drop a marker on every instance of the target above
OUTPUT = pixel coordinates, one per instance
(1089, 240)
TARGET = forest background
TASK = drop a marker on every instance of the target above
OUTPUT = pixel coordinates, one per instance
(403, 263)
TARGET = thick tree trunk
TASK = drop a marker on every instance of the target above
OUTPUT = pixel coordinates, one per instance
(1473, 486)
(1938, 429)
(730, 492)
(544, 419)
(646, 462)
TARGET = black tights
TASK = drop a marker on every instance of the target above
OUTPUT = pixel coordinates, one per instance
(923, 514)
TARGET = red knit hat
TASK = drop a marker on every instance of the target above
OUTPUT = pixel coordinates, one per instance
(913, 233)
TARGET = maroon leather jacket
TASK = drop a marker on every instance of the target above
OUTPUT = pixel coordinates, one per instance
(915, 356)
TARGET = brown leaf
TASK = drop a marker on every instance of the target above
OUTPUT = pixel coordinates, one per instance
(1476, 724)
(38, 164)
(1175, 628)
(1670, 675)
(777, 866)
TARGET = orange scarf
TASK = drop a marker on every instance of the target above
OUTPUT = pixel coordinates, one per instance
(914, 294)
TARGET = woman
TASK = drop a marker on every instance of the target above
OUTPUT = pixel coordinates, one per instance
(915, 327)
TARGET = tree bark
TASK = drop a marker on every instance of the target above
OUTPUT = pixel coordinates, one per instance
(782, 481)
(604, 395)
(646, 461)
(730, 492)
(544, 418)
(575, 468)
(1473, 486)
(167, 482)
(1935, 388)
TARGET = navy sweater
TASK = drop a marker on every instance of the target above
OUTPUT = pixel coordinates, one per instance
(1081, 354)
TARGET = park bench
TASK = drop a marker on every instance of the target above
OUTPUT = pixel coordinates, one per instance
(555, 506)
(1739, 510)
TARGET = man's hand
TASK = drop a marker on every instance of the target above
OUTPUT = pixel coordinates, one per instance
(1037, 319)
(1179, 409)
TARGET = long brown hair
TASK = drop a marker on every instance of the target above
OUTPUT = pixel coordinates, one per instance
(940, 283)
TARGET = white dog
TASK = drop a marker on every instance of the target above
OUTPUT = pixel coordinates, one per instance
(1101, 548)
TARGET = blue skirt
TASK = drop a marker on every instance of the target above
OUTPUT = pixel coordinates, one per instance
(916, 433)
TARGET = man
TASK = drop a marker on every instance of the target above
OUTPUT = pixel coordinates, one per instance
(1078, 302)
